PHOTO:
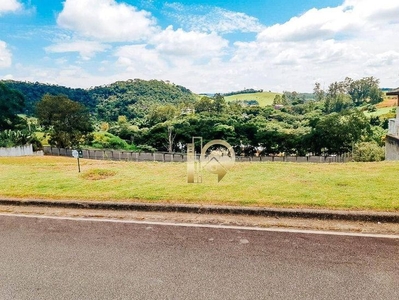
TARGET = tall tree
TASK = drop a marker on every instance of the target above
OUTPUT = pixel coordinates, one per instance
(219, 103)
(318, 92)
(364, 90)
(67, 121)
(337, 98)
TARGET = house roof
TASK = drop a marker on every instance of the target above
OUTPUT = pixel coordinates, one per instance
(394, 92)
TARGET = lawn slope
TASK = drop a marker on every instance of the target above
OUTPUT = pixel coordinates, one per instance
(366, 186)
(264, 98)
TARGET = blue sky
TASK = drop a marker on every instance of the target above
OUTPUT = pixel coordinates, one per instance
(206, 46)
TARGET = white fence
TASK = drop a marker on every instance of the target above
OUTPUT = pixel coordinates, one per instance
(17, 151)
(182, 157)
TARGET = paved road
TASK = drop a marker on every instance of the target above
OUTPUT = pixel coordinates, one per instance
(67, 259)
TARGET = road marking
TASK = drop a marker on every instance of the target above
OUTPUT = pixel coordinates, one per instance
(286, 230)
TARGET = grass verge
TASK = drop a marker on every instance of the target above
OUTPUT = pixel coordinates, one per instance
(357, 186)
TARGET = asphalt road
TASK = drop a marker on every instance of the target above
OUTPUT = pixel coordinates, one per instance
(69, 259)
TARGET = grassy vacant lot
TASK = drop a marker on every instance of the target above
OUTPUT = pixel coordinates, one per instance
(339, 186)
(265, 98)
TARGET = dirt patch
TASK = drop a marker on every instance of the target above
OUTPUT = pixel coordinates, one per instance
(98, 174)
(389, 102)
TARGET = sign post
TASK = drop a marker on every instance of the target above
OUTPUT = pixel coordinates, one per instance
(77, 154)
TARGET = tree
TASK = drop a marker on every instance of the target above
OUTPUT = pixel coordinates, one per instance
(338, 132)
(67, 121)
(336, 99)
(168, 135)
(219, 103)
(318, 92)
(205, 104)
(11, 103)
(284, 100)
(365, 90)
(270, 137)
(277, 100)
(162, 113)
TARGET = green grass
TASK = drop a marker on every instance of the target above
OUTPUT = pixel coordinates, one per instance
(264, 98)
(379, 112)
(366, 186)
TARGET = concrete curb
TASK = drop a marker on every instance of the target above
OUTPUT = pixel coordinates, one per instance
(364, 216)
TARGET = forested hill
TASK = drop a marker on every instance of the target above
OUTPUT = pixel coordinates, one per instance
(134, 98)
(131, 98)
(34, 91)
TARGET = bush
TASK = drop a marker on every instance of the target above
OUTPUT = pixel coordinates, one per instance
(371, 108)
(105, 140)
(12, 138)
(368, 151)
(146, 148)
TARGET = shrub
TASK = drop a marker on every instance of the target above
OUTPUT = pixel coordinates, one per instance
(12, 138)
(368, 151)
(107, 140)
(146, 148)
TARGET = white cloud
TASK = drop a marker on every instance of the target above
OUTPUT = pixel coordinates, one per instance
(314, 24)
(106, 20)
(352, 18)
(212, 19)
(384, 10)
(385, 59)
(188, 44)
(137, 59)
(68, 75)
(176, 55)
(86, 49)
(7, 6)
(8, 77)
(5, 56)
(354, 39)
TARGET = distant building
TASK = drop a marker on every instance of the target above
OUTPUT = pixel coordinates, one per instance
(392, 138)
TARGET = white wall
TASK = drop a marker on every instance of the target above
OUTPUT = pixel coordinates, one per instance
(17, 151)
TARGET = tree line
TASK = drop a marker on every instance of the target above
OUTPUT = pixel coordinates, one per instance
(158, 116)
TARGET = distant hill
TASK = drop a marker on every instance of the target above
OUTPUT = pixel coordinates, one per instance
(385, 89)
(130, 98)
